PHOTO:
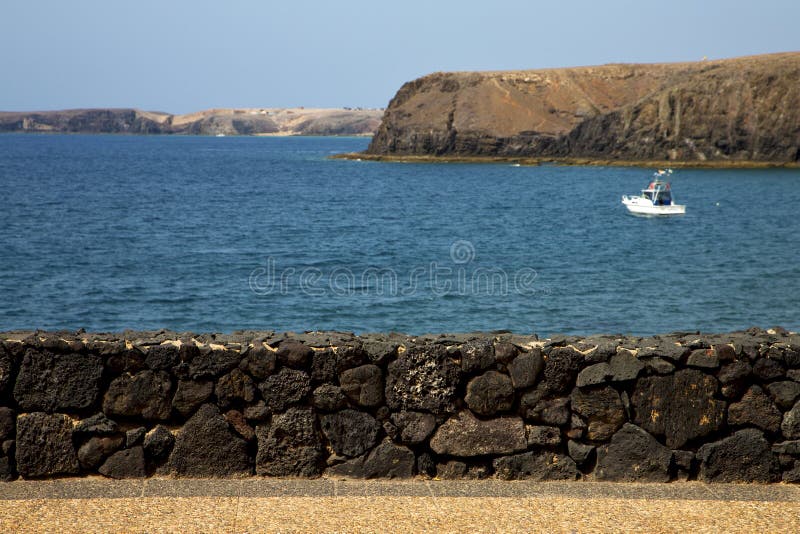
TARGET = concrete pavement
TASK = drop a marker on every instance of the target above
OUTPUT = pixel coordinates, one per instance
(269, 505)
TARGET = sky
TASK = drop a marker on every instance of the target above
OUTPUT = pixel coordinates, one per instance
(181, 56)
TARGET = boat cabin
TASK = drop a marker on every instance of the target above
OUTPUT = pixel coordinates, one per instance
(658, 192)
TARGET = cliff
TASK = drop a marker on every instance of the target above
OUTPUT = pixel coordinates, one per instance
(742, 109)
(257, 121)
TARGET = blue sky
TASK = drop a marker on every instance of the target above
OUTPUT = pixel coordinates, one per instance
(181, 56)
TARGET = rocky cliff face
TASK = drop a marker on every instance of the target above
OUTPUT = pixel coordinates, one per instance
(260, 121)
(735, 109)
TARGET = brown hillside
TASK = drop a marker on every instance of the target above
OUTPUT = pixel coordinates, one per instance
(735, 109)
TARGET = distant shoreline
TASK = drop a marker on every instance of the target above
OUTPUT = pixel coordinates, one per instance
(227, 122)
(587, 162)
(136, 134)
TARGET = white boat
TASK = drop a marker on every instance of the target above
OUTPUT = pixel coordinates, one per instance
(656, 199)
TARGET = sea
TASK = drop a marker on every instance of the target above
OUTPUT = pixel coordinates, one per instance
(207, 234)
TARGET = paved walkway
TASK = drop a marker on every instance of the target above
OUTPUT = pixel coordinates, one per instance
(256, 505)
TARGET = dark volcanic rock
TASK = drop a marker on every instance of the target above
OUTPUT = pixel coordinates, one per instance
(790, 352)
(454, 469)
(208, 363)
(790, 427)
(350, 433)
(791, 448)
(767, 370)
(490, 393)
(284, 388)
(464, 435)
(423, 378)
(158, 443)
(734, 372)
(594, 374)
(680, 407)
(536, 466)
(577, 427)
(662, 349)
(525, 369)
(784, 393)
(379, 352)
(658, 366)
(477, 355)
(363, 385)
(8, 421)
(543, 436)
(505, 352)
(561, 368)
(683, 461)
(206, 447)
(703, 359)
(6, 369)
(290, 446)
(57, 382)
(134, 436)
(294, 354)
(328, 398)
(239, 424)
(234, 388)
(743, 457)
(349, 356)
(44, 445)
(259, 362)
(792, 476)
(123, 360)
(535, 407)
(633, 456)
(162, 357)
(580, 452)
(127, 463)
(256, 411)
(426, 466)
(755, 409)
(7, 473)
(733, 378)
(624, 366)
(190, 394)
(147, 394)
(97, 424)
(414, 427)
(387, 460)
(92, 453)
(323, 366)
(725, 352)
(601, 408)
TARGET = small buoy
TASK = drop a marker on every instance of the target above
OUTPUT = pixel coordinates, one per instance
(717, 204)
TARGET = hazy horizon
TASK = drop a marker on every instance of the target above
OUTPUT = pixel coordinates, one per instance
(181, 56)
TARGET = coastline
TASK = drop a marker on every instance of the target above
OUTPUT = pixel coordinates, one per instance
(582, 162)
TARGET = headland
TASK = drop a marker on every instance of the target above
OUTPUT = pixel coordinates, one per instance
(729, 112)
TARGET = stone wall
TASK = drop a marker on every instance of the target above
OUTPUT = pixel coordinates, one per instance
(721, 407)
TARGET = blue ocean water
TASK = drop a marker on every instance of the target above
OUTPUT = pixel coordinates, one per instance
(221, 234)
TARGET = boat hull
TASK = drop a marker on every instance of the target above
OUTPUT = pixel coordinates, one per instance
(646, 208)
